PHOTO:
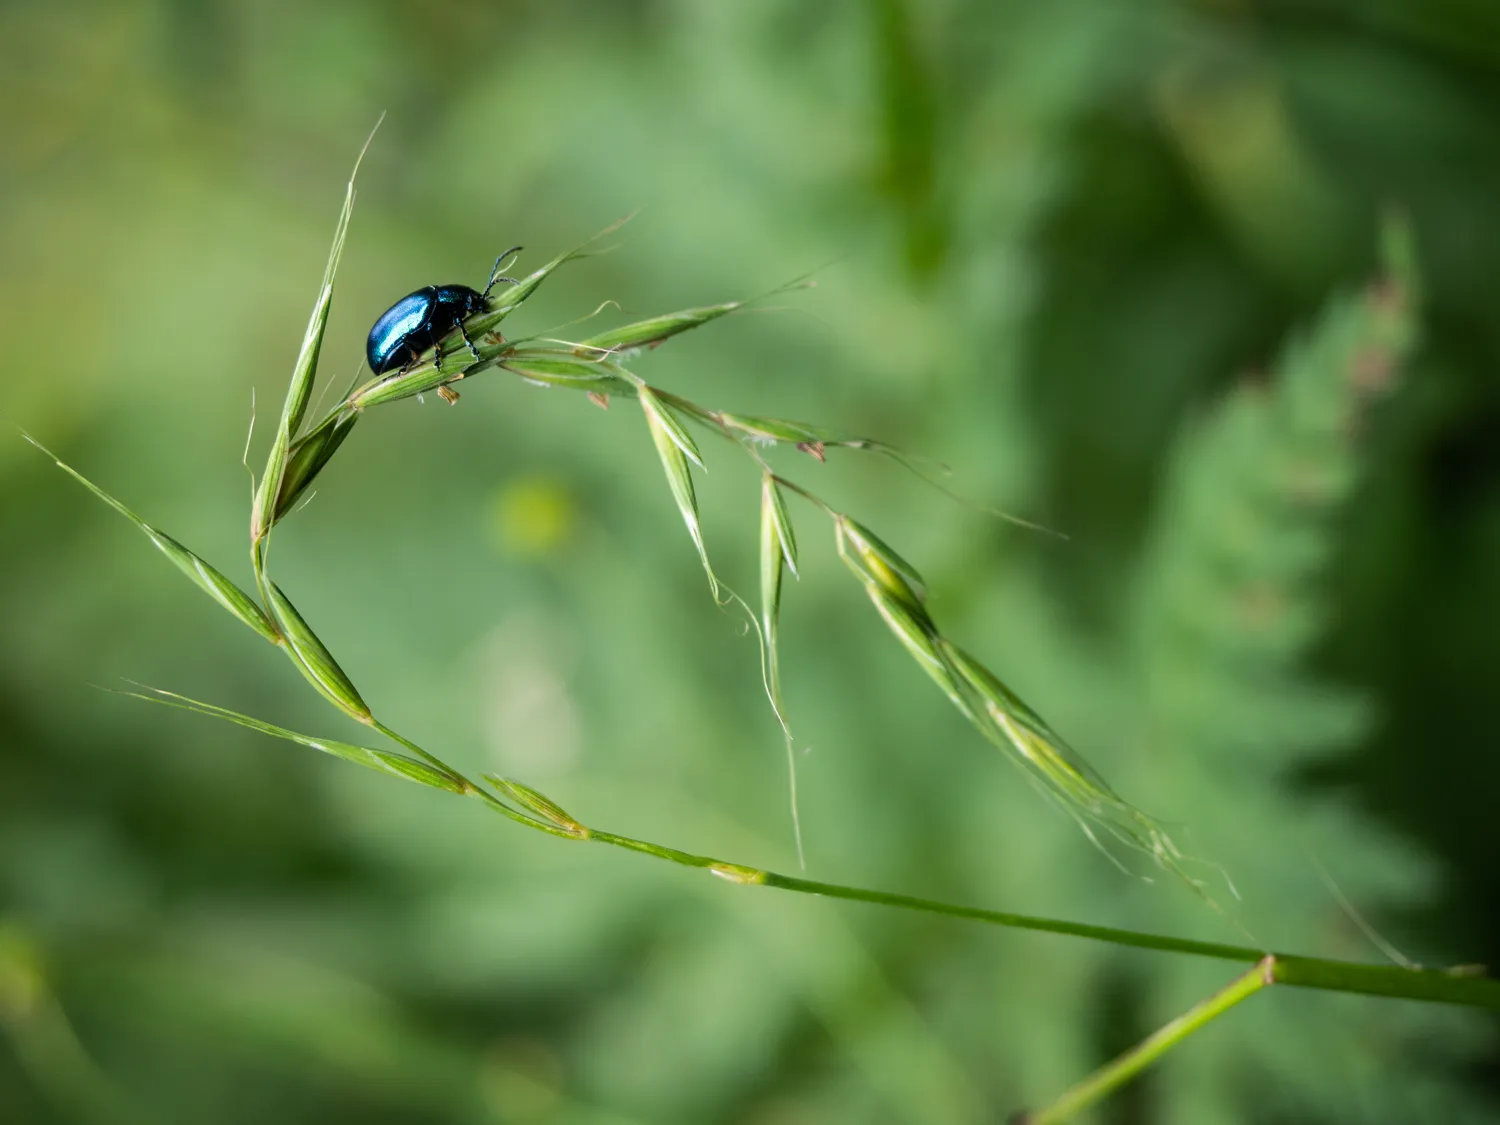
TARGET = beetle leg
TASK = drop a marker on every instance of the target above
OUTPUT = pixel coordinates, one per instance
(411, 361)
(473, 351)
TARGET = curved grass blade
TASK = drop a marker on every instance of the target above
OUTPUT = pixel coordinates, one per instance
(207, 578)
(386, 761)
(315, 661)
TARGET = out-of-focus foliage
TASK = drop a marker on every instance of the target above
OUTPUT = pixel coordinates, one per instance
(1068, 240)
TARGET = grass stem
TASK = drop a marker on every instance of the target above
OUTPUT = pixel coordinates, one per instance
(1117, 1073)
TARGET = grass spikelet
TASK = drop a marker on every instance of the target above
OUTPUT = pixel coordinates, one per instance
(663, 417)
(315, 661)
(206, 577)
(401, 384)
(894, 586)
(1004, 719)
(778, 548)
(667, 433)
(304, 373)
(653, 331)
(309, 454)
(776, 429)
(558, 369)
(878, 565)
(539, 803)
(386, 761)
(506, 301)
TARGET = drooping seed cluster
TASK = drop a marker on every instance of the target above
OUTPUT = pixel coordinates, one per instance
(597, 366)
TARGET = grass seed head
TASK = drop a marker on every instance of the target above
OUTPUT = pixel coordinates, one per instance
(426, 376)
(773, 506)
(315, 661)
(505, 301)
(662, 418)
(539, 803)
(649, 333)
(778, 430)
(386, 761)
(562, 369)
(880, 567)
(772, 557)
(666, 433)
(304, 374)
(309, 454)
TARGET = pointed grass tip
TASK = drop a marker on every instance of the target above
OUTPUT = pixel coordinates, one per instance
(206, 577)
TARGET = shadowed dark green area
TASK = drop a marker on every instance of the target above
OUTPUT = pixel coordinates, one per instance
(1070, 243)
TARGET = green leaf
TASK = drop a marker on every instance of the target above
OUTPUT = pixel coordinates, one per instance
(314, 660)
(386, 761)
(208, 579)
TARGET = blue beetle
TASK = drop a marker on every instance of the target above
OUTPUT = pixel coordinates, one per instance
(422, 319)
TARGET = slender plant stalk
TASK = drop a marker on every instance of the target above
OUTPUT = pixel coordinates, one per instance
(594, 366)
(1465, 985)
(1113, 1075)
(1446, 986)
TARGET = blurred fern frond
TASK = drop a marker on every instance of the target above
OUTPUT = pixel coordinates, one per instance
(1232, 595)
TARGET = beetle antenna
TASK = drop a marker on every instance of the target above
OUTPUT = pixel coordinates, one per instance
(495, 273)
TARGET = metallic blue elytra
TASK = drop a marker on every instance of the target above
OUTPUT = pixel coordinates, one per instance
(417, 322)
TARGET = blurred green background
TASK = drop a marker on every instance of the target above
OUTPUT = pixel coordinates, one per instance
(1063, 236)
